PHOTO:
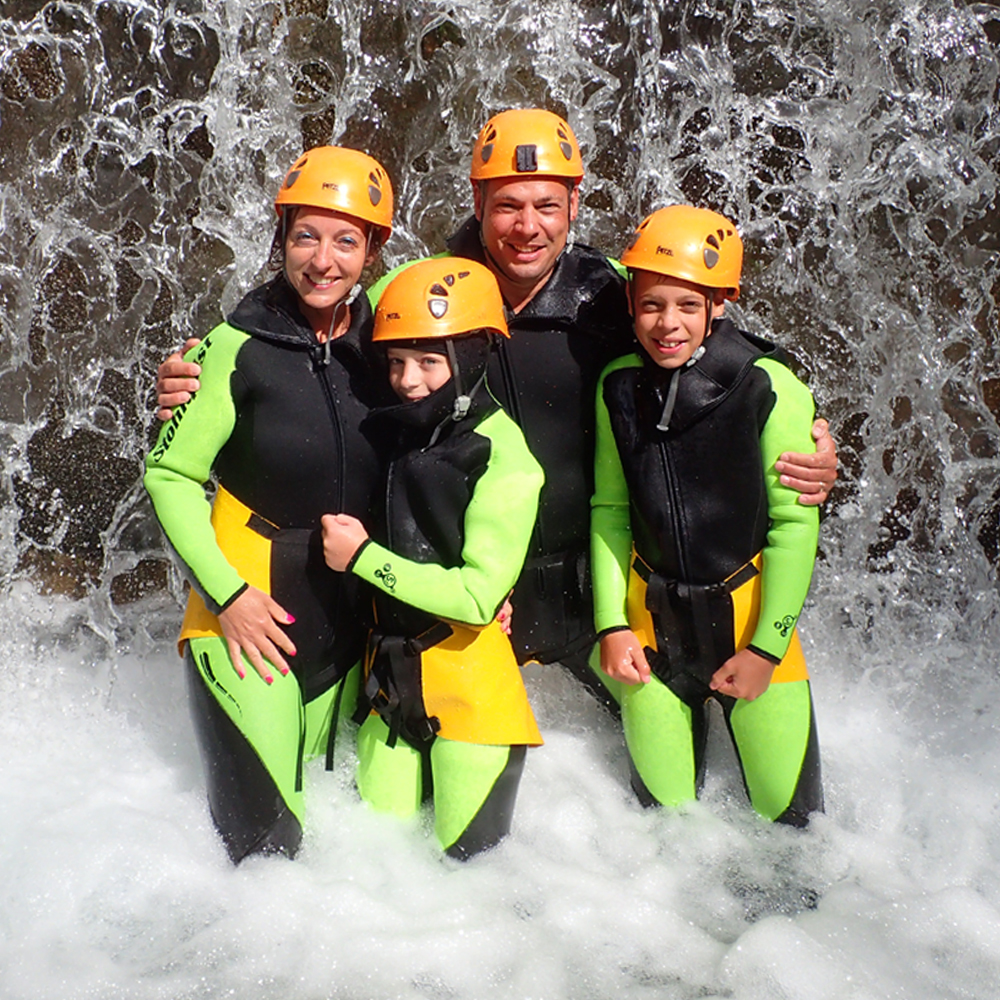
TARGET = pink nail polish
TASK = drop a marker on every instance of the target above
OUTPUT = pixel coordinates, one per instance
(291, 620)
(269, 679)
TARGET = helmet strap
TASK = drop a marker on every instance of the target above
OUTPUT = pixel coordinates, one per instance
(675, 381)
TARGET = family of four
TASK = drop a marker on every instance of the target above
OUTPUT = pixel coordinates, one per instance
(515, 451)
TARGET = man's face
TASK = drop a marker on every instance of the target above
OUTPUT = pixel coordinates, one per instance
(525, 225)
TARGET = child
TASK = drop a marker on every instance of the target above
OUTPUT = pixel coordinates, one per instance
(701, 558)
(459, 502)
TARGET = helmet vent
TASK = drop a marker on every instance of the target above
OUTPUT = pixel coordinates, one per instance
(486, 152)
(292, 177)
(711, 258)
(438, 307)
(526, 158)
(712, 241)
(449, 280)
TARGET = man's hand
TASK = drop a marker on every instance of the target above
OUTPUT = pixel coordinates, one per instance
(176, 380)
(343, 535)
(623, 658)
(812, 475)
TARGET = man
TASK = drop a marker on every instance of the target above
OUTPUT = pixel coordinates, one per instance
(568, 316)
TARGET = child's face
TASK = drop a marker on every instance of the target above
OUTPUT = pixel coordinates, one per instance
(414, 374)
(672, 316)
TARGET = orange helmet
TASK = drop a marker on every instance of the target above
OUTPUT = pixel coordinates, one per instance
(343, 180)
(694, 244)
(533, 141)
(440, 298)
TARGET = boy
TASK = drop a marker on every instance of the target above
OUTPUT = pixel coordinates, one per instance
(702, 559)
(460, 499)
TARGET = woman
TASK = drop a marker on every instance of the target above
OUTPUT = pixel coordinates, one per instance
(270, 632)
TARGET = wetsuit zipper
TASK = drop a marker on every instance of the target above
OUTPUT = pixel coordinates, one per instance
(675, 525)
(321, 365)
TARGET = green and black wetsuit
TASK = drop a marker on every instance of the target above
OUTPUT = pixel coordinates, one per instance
(458, 503)
(545, 377)
(277, 423)
(699, 549)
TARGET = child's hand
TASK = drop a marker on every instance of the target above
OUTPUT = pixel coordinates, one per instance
(343, 535)
(745, 675)
(504, 616)
(623, 659)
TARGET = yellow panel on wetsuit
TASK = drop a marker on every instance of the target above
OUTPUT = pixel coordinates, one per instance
(746, 610)
(472, 683)
(248, 552)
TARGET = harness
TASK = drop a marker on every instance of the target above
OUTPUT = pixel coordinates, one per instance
(693, 626)
(394, 687)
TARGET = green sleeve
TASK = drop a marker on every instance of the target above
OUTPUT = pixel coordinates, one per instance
(610, 523)
(180, 464)
(619, 267)
(498, 524)
(790, 550)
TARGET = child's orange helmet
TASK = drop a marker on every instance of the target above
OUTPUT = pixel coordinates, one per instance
(440, 298)
(693, 244)
(531, 142)
(342, 180)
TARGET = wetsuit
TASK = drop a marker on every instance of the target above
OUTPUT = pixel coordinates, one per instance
(700, 550)
(545, 377)
(450, 709)
(277, 423)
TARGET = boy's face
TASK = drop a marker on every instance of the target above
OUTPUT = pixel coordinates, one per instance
(672, 316)
(414, 374)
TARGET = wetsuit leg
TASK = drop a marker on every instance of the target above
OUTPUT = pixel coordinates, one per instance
(475, 788)
(666, 739)
(332, 708)
(250, 734)
(390, 779)
(775, 738)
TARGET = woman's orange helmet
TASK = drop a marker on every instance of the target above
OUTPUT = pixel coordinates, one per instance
(342, 180)
(694, 244)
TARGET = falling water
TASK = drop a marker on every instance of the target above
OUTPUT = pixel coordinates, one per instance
(858, 144)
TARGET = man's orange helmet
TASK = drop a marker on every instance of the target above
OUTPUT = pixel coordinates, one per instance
(526, 143)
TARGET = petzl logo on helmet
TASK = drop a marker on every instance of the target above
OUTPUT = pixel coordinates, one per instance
(331, 186)
(666, 251)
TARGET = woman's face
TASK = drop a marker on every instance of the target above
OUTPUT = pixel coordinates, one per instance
(325, 253)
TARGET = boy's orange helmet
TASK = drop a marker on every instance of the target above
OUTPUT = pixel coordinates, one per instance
(530, 142)
(693, 244)
(342, 180)
(439, 298)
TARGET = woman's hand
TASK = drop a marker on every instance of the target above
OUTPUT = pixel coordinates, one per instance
(623, 658)
(745, 675)
(176, 380)
(250, 625)
(812, 475)
(343, 535)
